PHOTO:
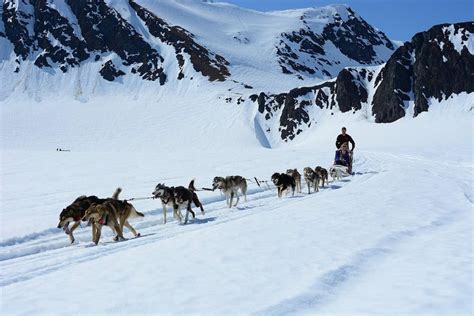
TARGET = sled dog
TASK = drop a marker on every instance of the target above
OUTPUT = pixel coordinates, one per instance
(166, 195)
(183, 197)
(283, 181)
(337, 172)
(297, 176)
(312, 179)
(112, 213)
(76, 210)
(323, 174)
(230, 186)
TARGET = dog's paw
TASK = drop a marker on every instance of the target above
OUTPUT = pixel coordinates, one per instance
(118, 238)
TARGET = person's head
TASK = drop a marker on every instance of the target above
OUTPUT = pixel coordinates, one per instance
(344, 146)
(343, 130)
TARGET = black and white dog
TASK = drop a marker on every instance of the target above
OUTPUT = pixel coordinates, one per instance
(177, 197)
(283, 181)
(183, 197)
(166, 195)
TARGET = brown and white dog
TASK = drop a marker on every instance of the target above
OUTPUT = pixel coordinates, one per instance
(312, 179)
(323, 174)
(76, 210)
(112, 213)
(230, 186)
(297, 176)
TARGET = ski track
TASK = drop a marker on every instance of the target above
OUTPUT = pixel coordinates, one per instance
(326, 286)
(26, 257)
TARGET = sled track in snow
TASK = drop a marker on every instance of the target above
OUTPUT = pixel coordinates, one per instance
(329, 283)
(24, 258)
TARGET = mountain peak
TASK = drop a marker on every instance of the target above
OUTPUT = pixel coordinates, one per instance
(168, 41)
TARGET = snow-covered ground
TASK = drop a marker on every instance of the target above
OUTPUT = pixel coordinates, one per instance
(394, 239)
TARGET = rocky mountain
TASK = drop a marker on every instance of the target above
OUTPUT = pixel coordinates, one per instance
(296, 68)
(434, 65)
(66, 33)
(310, 49)
(168, 41)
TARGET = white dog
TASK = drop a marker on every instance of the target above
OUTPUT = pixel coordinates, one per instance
(338, 171)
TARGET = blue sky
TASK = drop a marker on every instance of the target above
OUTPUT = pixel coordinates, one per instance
(399, 20)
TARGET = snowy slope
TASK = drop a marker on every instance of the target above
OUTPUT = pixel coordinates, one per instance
(392, 239)
(61, 47)
(435, 66)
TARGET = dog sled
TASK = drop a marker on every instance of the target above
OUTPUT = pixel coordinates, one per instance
(339, 170)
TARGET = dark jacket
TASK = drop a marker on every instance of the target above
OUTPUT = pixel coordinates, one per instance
(341, 139)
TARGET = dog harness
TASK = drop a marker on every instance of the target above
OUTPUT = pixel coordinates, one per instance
(103, 221)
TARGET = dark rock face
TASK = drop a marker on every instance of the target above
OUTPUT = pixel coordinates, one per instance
(350, 93)
(39, 32)
(48, 22)
(209, 64)
(429, 66)
(442, 71)
(307, 42)
(293, 109)
(351, 37)
(16, 26)
(105, 30)
(305, 52)
(109, 72)
(394, 88)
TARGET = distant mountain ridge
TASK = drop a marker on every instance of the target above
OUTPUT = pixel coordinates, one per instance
(308, 51)
(289, 70)
(130, 38)
(434, 65)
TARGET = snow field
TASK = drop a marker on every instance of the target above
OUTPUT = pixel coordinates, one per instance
(389, 240)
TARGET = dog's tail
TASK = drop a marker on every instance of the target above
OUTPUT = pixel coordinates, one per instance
(136, 213)
(116, 193)
(191, 186)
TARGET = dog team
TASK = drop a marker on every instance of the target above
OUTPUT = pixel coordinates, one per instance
(115, 213)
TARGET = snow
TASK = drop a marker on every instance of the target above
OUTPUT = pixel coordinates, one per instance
(389, 240)
(393, 239)
(457, 38)
(64, 10)
(253, 60)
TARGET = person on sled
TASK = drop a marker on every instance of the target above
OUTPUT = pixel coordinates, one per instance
(344, 138)
(343, 157)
